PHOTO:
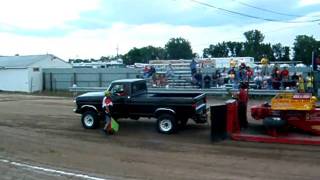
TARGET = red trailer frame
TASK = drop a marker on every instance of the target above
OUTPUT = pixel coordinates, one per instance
(305, 121)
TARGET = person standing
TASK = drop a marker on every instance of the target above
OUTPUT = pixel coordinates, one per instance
(309, 82)
(207, 81)
(301, 84)
(243, 103)
(106, 106)
(258, 81)
(193, 67)
(198, 77)
(284, 77)
(170, 72)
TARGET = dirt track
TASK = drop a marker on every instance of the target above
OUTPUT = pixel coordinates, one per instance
(43, 131)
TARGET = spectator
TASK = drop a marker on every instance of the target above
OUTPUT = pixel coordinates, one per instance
(152, 71)
(163, 80)
(158, 80)
(309, 81)
(215, 78)
(224, 76)
(285, 77)
(146, 70)
(301, 84)
(220, 79)
(269, 80)
(207, 81)
(242, 72)
(285, 74)
(233, 78)
(276, 83)
(265, 84)
(249, 73)
(257, 70)
(170, 72)
(275, 72)
(198, 77)
(294, 80)
(295, 77)
(258, 80)
(243, 103)
(193, 67)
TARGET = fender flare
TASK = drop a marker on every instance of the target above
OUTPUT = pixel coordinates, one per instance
(89, 107)
(159, 110)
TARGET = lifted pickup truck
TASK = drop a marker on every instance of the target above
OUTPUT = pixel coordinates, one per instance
(132, 100)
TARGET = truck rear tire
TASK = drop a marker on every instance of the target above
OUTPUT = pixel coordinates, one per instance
(166, 124)
(90, 120)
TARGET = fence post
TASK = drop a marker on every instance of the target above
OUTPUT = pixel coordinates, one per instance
(74, 78)
(100, 79)
(43, 81)
(50, 79)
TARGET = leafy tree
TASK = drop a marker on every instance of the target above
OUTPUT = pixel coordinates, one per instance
(303, 47)
(235, 48)
(252, 46)
(178, 48)
(286, 56)
(144, 54)
(281, 53)
(264, 50)
(151, 52)
(133, 56)
(224, 49)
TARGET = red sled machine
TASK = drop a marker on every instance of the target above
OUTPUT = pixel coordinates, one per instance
(291, 118)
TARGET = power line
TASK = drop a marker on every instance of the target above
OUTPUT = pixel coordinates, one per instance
(268, 10)
(251, 16)
(267, 32)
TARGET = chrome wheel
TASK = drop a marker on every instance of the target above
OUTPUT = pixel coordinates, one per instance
(165, 125)
(88, 120)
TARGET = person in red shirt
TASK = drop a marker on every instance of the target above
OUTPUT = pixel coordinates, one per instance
(249, 72)
(243, 102)
(284, 77)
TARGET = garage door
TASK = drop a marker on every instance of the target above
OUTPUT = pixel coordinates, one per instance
(14, 80)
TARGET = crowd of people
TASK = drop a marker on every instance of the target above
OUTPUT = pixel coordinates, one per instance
(257, 78)
(260, 77)
(159, 79)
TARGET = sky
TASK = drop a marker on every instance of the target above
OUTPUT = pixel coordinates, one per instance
(93, 28)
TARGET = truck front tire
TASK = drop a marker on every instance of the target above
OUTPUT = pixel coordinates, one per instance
(166, 124)
(90, 120)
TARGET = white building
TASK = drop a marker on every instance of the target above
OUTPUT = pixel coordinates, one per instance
(24, 73)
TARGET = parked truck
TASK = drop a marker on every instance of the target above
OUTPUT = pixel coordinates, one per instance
(131, 99)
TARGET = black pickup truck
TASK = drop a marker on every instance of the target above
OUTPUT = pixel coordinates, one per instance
(132, 100)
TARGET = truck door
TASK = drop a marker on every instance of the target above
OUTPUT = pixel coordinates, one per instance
(119, 97)
(139, 104)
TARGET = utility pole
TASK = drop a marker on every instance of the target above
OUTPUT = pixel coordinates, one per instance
(117, 50)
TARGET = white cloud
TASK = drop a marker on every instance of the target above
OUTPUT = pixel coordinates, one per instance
(102, 42)
(308, 2)
(43, 14)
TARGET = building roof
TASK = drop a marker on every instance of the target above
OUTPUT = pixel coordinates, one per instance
(22, 61)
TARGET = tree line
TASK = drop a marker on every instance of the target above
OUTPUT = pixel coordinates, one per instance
(180, 48)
